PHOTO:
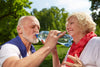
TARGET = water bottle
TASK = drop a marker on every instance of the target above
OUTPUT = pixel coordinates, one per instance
(65, 40)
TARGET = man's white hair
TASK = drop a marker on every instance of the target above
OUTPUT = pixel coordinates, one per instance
(19, 21)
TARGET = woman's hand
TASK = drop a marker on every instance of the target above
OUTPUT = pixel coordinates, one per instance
(77, 62)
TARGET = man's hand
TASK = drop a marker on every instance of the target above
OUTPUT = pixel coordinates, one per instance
(52, 38)
(77, 62)
(53, 50)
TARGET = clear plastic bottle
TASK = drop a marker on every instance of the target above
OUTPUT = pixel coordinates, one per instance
(66, 40)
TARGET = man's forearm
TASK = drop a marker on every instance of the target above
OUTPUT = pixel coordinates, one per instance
(33, 60)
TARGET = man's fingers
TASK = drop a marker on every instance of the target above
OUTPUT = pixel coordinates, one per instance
(56, 32)
(62, 34)
(42, 41)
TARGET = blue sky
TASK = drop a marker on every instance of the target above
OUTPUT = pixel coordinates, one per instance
(69, 5)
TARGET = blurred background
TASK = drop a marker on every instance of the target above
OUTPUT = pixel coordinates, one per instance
(52, 14)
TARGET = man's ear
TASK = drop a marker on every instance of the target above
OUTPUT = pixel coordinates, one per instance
(19, 29)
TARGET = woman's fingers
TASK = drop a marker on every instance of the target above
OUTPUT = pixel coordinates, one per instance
(77, 61)
(72, 58)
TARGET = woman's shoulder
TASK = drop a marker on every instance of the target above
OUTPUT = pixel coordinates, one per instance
(95, 38)
(95, 41)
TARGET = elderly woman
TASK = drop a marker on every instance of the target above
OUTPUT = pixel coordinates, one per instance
(85, 50)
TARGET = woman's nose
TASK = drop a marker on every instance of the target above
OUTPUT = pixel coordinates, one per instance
(67, 27)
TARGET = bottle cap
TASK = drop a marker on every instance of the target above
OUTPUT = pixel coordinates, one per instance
(36, 35)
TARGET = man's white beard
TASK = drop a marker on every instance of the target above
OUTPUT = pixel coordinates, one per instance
(30, 39)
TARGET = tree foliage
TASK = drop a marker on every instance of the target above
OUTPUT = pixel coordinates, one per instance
(95, 8)
(10, 12)
(95, 4)
(52, 18)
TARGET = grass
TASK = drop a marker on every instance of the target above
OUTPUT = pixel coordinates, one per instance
(62, 50)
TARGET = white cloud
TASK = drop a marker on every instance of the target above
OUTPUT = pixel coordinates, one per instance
(47, 4)
(74, 5)
(62, 2)
(69, 5)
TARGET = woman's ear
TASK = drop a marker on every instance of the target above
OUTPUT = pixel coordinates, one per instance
(19, 30)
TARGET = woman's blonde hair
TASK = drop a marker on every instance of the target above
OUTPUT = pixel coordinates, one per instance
(85, 21)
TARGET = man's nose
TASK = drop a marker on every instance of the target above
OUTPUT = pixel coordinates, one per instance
(36, 30)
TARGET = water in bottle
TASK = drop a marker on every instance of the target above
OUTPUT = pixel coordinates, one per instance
(65, 40)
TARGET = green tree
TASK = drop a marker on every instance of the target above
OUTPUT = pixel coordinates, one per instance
(95, 6)
(52, 18)
(10, 12)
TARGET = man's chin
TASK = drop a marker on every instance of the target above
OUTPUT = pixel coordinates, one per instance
(35, 41)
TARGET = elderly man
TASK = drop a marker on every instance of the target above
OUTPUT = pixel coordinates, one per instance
(19, 52)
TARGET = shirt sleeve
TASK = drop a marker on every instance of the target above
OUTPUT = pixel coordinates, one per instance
(7, 51)
(91, 54)
(98, 58)
(97, 52)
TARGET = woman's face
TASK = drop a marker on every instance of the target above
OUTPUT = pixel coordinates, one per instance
(73, 27)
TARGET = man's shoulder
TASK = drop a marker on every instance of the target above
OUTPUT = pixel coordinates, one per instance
(8, 46)
(8, 50)
(11, 42)
(7, 42)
